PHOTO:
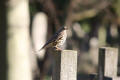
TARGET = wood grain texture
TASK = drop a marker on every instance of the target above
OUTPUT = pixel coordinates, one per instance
(65, 65)
(116, 78)
(108, 60)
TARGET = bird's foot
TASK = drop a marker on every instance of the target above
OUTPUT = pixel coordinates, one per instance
(58, 49)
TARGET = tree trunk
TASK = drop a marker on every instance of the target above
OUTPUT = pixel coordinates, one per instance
(18, 43)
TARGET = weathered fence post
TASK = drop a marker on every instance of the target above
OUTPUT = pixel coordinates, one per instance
(108, 60)
(65, 65)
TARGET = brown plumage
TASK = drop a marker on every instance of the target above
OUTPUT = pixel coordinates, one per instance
(57, 40)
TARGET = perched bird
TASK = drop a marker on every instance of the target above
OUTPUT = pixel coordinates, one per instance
(57, 40)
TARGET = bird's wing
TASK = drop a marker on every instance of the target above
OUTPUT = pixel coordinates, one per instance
(50, 41)
(53, 38)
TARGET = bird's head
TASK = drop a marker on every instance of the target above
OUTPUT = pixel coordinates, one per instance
(65, 27)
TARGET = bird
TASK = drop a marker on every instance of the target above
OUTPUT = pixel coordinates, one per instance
(57, 40)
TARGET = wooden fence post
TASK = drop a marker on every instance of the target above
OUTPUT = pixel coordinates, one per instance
(108, 60)
(65, 65)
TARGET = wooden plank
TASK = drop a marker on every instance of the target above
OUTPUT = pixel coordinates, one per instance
(108, 60)
(116, 78)
(65, 65)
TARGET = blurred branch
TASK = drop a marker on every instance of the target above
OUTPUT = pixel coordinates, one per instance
(50, 9)
(85, 14)
(77, 16)
(91, 12)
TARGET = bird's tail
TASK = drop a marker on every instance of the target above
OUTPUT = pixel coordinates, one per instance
(42, 47)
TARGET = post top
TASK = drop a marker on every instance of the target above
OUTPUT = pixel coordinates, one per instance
(108, 48)
(69, 51)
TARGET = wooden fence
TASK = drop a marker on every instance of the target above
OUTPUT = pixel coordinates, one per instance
(65, 65)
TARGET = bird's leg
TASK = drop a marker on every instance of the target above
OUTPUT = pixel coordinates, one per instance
(57, 48)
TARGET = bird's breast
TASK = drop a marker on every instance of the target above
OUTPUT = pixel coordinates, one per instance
(63, 38)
